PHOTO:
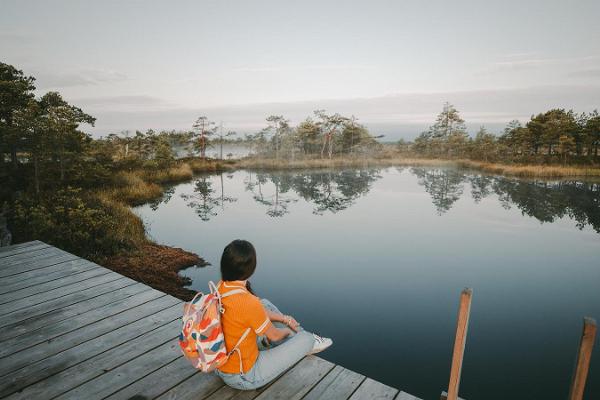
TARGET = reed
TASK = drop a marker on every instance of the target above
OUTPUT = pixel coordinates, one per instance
(130, 188)
(533, 171)
(179, 173)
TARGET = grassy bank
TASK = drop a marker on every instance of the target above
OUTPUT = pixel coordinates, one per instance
(520, 170)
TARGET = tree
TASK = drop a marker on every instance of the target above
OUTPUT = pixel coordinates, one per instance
(30, 123)
(16, 90)
(203, 131)
(308, 132)
(279, 126)
(62, 121)
(330, 125)
(484, 144)
(566, 145)
(448, 136)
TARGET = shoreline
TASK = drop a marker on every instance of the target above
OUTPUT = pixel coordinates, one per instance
(158, 265)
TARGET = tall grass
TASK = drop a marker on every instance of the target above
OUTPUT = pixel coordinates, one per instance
(541, 171)
(179, 173)
(130, 188)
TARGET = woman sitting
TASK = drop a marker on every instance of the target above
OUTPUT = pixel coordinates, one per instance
(266, 342)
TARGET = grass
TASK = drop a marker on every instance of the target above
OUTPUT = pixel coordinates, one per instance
(525, 170)
(130, 188)
(179, 173)
(520, 170)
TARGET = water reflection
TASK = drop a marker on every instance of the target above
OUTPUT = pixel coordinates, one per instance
(205, 199)
(332, 191)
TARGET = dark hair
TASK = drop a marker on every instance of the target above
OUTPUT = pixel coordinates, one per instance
(238, 261)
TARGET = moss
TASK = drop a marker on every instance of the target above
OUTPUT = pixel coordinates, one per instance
(157, 266)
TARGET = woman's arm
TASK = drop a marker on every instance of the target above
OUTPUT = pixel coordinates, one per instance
(275, 334)
(286, 319)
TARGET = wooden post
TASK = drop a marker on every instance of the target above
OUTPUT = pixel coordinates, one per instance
(582, 362)
(462, 325)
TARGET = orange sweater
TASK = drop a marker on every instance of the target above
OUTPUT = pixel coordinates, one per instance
(242, 311)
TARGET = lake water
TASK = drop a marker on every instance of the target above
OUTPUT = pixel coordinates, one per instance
(376, 259)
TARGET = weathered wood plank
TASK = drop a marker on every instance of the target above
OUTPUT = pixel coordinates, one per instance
(584, 356)
(35, 264)
(113, 291)
(340, 383)
(110, 382)
(406, 396)
(17, 313)
(371, 390)
(52, 289)
(197, 387)
(31, 256)
(158, 382)
(73, 331)
(296, 382)
(128, 334)
(35, 277)
(21, 248)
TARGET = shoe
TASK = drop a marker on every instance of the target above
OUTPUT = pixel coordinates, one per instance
(321, 344)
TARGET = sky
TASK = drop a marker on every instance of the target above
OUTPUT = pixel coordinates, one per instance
(161, 64)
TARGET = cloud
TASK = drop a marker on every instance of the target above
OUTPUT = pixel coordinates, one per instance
(398, 115)
(120, 101)
(586, 73)
(84, 77)
(303, 68)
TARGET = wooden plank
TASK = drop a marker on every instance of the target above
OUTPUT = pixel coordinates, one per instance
(405, 396)
(7, 251)
(130, 333)
(197, 387)
(158, 382)
(19, 314)
(113, 380)
(372, 390)
(73, 331)
(36, 264)
(462, 326)
(31, 256)
(582, 362)
(340, 383)
(35, 277)
(228, 393)
(58, 287)
(295, 383)
(49, 314)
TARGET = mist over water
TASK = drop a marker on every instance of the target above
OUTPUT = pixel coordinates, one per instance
(376, 259)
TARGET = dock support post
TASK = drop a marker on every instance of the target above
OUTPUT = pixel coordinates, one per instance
(462, 325)
(582, 362)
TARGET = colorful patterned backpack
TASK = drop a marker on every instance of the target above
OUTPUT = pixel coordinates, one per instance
(201, 339)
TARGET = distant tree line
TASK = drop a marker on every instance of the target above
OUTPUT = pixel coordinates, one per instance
(555, 135)
(321, 135)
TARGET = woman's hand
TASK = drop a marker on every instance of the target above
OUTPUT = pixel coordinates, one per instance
(291, 322)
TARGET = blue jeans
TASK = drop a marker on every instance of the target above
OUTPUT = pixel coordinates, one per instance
(272, 361)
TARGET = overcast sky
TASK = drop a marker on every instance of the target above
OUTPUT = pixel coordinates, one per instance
(160, 64)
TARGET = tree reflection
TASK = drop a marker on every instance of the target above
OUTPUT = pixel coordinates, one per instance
(205, 199)
(445, 186)
(330, 191)
(277, 203)
(164, 199)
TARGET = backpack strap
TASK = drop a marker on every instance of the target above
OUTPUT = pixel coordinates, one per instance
(237, 349)
(187, 309)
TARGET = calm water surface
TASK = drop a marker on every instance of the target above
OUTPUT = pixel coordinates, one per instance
(376, 260)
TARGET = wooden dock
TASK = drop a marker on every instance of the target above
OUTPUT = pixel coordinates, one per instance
(71, 329)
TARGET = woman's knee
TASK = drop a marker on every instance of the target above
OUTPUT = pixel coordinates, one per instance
(305, 339)
(268, 305)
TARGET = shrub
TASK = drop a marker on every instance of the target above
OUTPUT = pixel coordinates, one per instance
(89, 227)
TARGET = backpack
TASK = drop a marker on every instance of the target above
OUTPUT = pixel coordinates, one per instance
(201, 339)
